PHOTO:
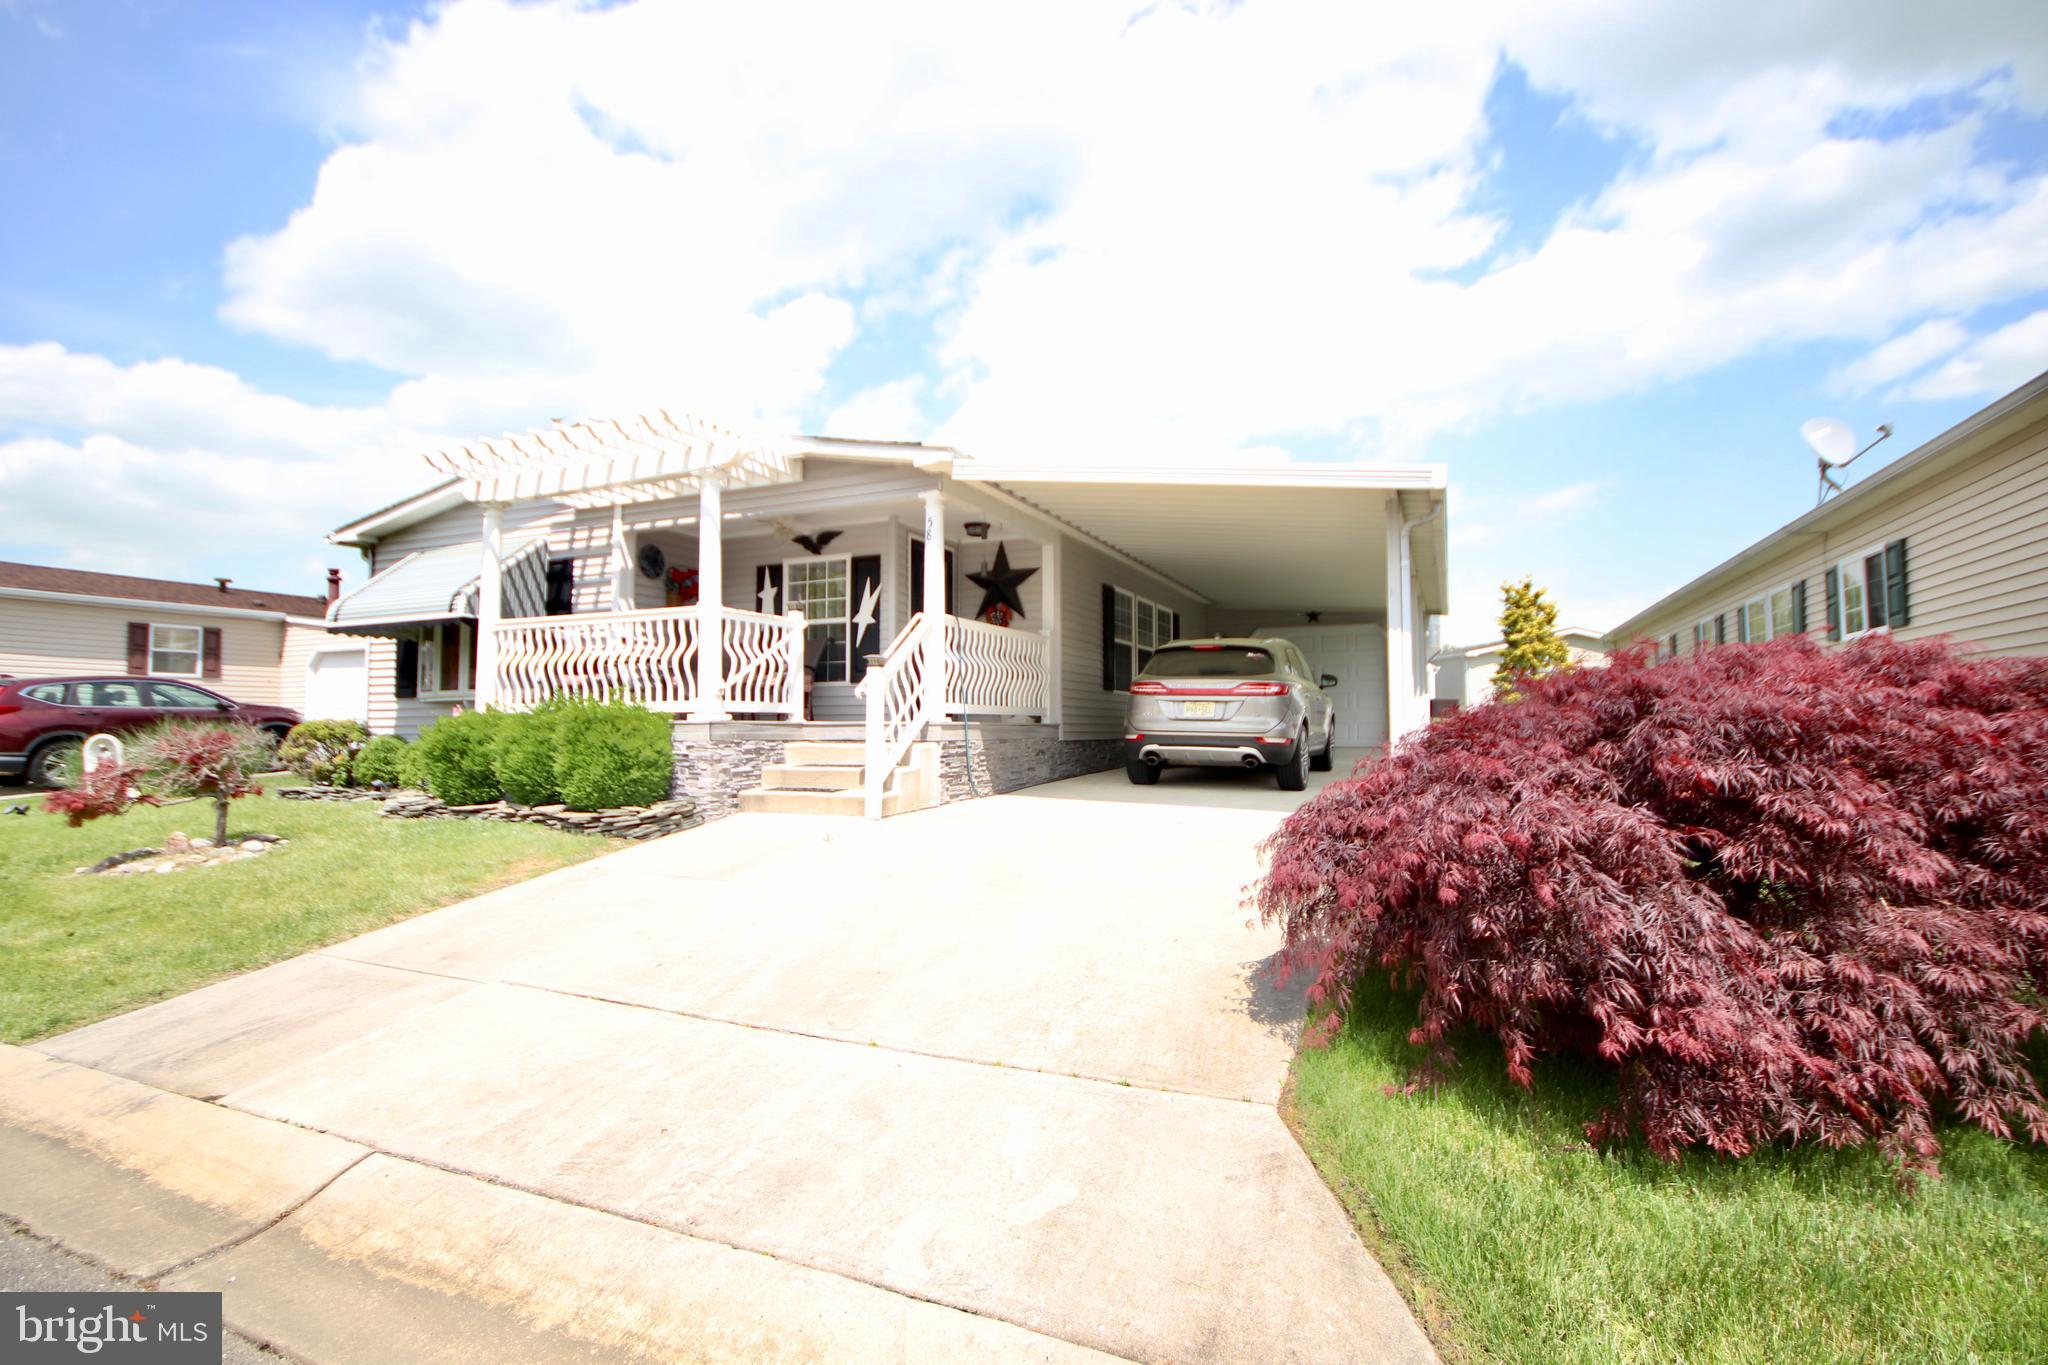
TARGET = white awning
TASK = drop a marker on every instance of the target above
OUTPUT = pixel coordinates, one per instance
(599, 463)
(441, 585)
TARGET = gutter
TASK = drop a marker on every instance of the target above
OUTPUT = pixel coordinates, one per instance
(143, 604)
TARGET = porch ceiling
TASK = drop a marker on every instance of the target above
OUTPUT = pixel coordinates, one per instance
(1301, 547)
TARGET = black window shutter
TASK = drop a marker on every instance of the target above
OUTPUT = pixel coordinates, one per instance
(1109, 645)
(1799, 606)
(209, 652)
(138, 647)
(1721, 629)
(1895, 599)
(407, 681)
(767, 576)
(952, 587)
(1834, 604)
(867, 639)
(1672, 644)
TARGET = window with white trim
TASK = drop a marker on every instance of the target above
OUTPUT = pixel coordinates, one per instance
(1140, 626)
(1702, 635)
(1863, 596)
(1784, 613)
(446, 667)
(1753, 621)
(818, 587)
(174, 651)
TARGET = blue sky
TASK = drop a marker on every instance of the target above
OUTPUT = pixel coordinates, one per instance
(257, 256)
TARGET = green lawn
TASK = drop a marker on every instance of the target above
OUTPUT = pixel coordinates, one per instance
(1516, 1242)
(73, 949)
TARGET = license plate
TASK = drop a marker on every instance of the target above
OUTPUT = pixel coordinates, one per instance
(1198, 710)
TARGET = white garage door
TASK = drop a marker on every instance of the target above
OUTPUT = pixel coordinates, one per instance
(338, 685)
(1357, 655)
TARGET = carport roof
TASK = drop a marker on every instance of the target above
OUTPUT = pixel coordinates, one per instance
(1298, 537)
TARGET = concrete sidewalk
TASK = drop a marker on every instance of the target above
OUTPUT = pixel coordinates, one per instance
(990, 1081)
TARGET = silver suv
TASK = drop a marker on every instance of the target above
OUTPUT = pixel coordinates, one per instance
(1229, 704)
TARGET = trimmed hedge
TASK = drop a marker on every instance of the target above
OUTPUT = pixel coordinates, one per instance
(383, 759)
(454, 756)
(585, 754)
(525, 757)
(323, 750)
(612, 754)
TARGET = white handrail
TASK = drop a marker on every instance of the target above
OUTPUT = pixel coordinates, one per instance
(996, 670)
(894, 689)
(649, 657)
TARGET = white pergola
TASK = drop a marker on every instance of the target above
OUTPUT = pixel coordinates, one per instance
(651, 457)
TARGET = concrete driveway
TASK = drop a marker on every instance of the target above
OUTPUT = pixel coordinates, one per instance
(991, 1081)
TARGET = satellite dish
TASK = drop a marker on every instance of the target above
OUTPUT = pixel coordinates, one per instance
(1830, 439)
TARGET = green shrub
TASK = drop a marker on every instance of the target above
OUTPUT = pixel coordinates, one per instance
(410, 773)
(525, 757)
(382, 760)
(323, 750)
(454, 757)
(612, 754)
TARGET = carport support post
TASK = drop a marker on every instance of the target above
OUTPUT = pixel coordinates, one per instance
(1400, 649)
(711, 600)
(935, 585)
(490, 605)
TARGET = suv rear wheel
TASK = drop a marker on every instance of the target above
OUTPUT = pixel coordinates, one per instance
(53, 763)
(1141, 773)
(1293, 774)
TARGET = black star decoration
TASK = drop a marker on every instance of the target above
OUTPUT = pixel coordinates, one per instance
(999, 584)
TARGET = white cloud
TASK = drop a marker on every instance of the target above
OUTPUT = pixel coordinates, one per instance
(1993, 364)
(1899, 357)
(1571, 497)
(1166, 232)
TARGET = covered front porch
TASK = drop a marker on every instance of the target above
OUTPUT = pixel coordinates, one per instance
(733, 585)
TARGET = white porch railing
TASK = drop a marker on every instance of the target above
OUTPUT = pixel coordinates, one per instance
(650, 658)
(996, 670)
(895, 694)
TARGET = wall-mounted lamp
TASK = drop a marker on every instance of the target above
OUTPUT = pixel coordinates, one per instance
(976, 530)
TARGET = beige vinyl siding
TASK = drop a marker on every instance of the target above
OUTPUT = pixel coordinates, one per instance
(1088, 710)
(51, 639)
(1976, 556)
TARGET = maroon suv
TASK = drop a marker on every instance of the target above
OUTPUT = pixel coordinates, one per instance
(43, 721)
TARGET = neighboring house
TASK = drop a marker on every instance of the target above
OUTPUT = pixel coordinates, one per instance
(1465, 675)
(252, 646)
(1951, 539)
(573, 559)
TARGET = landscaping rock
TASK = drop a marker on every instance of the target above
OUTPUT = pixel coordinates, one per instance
(624, 822)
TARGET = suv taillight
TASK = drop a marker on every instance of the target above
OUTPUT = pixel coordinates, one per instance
(8, 708)
(1149, 689)
(1259, 689)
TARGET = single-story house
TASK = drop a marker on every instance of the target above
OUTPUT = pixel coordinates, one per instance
(1950, 539)
(252, 646)
(1464, 674)
(599, 557)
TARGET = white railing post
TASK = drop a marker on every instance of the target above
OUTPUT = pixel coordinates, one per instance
(711, 601)
(490, 605)
(796, 664)
(935, 585)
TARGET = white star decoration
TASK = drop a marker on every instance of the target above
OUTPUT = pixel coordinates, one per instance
(767, 596)
(865, 617)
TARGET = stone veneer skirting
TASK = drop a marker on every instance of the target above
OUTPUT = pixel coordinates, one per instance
(713, 769)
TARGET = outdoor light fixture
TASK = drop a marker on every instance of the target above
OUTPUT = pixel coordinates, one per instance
(976, 530)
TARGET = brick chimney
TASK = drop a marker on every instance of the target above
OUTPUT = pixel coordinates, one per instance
(333, 585)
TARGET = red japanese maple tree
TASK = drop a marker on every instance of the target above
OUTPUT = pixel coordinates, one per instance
(1786, 894)
(175, 759)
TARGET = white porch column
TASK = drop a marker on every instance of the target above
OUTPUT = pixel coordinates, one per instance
(934, 604)
(711, 600)
(490, 604)
(1400, 650)
(620, 562)
(1055, 628)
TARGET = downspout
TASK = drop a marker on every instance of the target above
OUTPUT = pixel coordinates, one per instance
(1408, 529)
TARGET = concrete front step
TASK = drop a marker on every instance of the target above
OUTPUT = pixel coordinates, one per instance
(815, 777)
(785, 801)
(823, 752)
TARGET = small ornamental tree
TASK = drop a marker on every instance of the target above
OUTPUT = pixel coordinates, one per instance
(1784, 894)
(1528, 631)
(176, 759)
